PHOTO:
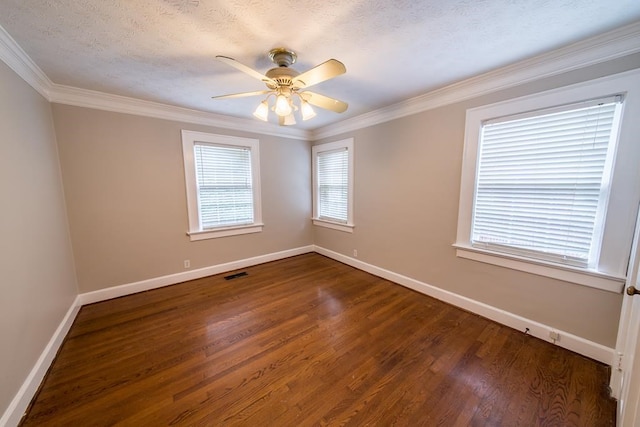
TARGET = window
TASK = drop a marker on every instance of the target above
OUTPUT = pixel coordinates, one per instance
(223, 187)
(333, 185)
(542, 182)
(548, 184)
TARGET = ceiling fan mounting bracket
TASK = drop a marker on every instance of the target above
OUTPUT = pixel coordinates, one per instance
(282, 57)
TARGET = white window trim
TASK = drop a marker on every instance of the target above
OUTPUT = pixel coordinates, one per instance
(624, 198)
(322, 222)
(565, 273)
(191, 138)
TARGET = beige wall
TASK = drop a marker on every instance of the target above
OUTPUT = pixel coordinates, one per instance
(124, 184)
(38, 283)
(407, 186)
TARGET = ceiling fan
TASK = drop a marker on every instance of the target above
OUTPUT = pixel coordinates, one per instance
(285, 84)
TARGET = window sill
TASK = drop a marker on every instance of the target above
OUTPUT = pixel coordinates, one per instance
(570, 274)
(224, 232)
(348, 228)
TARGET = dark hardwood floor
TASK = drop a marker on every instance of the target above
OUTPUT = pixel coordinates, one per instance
(309, 341)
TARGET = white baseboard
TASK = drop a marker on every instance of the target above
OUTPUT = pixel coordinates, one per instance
(172, 279)
(567, 340)
(20, 402)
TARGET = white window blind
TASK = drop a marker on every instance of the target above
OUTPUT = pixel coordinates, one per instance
(224, 185)
(333, 185)
(542, 181)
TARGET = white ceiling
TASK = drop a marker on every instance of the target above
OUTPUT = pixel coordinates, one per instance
(163, 50)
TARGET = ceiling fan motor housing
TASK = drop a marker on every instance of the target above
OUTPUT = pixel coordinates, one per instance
(282, 75)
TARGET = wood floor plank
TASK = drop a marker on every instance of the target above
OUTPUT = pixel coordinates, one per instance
(309, 341)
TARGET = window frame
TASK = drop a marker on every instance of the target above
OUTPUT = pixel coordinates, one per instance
(189, 140)
(609, 271)
(345, 144)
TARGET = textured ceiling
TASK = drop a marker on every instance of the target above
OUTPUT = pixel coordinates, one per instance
(163, 50)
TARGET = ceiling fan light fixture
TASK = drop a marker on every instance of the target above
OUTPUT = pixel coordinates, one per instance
(262, 112)
(285, 83)
(283, 108)
(306, 110)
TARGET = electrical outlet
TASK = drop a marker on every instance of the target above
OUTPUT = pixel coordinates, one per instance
(618, 361)
(187, 263)
(555, 336)
(355, 253)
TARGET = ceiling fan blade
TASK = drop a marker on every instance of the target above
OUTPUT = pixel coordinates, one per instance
(247, 70)
(324, 102)
(325, 71)
(242, 95)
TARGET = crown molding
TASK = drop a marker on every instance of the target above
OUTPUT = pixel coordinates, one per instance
(121, 104)
(614, 44)
(16, 58)
(12, 54)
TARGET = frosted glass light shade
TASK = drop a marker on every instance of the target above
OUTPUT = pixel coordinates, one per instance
(306, 110)
(262, 112)
(289, 120)
(283, 108)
